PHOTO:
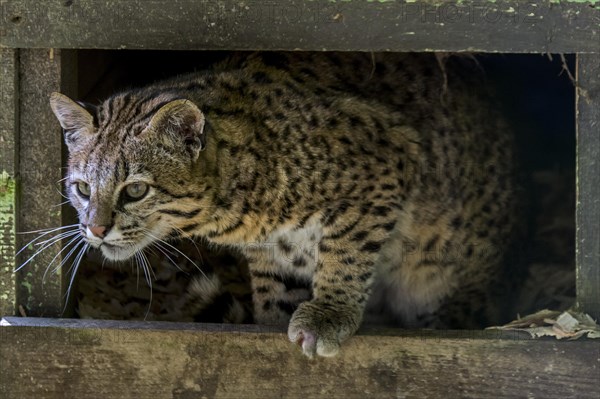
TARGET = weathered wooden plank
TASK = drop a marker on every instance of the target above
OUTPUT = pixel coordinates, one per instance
(420, 25)
(41, 162)
(57, 360)
(8, 168)
(588, 184)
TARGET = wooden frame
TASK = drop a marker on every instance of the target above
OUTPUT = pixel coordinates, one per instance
(91, 359)
(357, 25)
(588, 184)
(178, 360)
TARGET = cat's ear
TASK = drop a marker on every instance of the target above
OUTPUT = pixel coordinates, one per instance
(182, 120)
(76, 119)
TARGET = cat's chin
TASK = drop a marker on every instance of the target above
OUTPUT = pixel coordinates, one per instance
(116, 254)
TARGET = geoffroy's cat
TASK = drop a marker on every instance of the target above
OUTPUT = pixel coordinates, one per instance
(381, 181)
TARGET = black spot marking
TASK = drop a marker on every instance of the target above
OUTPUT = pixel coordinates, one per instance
(360, 235)
(344, 231)
(228, 229)
(190, 227)
(469, 251)
(364, 208)
(456, 223)
(371, 246)
(286, 307)
(355, 121)
(333, 122)
(324, 247)
(345, 140)
(299, 262)
(178, 213)
(261, 78)
(431, 243)
(216, 309)
(262, 289)
(267, 305)
(284, 245)
(389, 226)
(380, 210)
(333, 214)
(164, 191)
(349, 260)
(269, 101)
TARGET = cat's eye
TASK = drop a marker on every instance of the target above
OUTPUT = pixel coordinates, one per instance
(83, 189)
(136, 191)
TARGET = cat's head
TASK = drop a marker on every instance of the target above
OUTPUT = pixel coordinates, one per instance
(132, 172)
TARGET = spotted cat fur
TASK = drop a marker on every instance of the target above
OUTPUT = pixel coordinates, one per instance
(380, 181)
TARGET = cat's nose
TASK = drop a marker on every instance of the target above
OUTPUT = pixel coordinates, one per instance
(98, 231)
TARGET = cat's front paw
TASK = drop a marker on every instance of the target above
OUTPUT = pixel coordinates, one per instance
(321, 327)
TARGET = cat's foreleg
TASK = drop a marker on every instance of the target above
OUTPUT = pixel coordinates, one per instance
(341, 286)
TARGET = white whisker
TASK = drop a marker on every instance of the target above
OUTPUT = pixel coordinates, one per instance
(66, 258)
(171, 246)
(147, 269)
(58, 237)
(39, 251)
(164, 252)
(74, 268)
(46, 243)
(183, 235)
(48, 230)
(61, 204)
(57, 255)
(62, 195)
(137, 269)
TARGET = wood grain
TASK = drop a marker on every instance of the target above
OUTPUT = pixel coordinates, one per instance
(58, 359)
(588, 184)
(539, 26)
(40, 172)
(9, 73)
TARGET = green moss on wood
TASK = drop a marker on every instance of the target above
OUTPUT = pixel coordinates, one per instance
(7, 242)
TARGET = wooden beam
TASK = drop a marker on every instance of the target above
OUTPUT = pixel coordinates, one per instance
(42, 72)
(91, 359)
(9, 74)
(358, 25)
(588, 184)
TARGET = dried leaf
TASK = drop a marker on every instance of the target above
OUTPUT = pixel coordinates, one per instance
(570, 325)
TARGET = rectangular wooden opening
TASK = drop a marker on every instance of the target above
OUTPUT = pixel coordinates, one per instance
(38, 43)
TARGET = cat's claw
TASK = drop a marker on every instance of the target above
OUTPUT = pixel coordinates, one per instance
(319, 330)
(307, 340)
(311, 344)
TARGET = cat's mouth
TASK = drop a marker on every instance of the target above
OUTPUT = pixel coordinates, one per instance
(117, 253)
(123, 250)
